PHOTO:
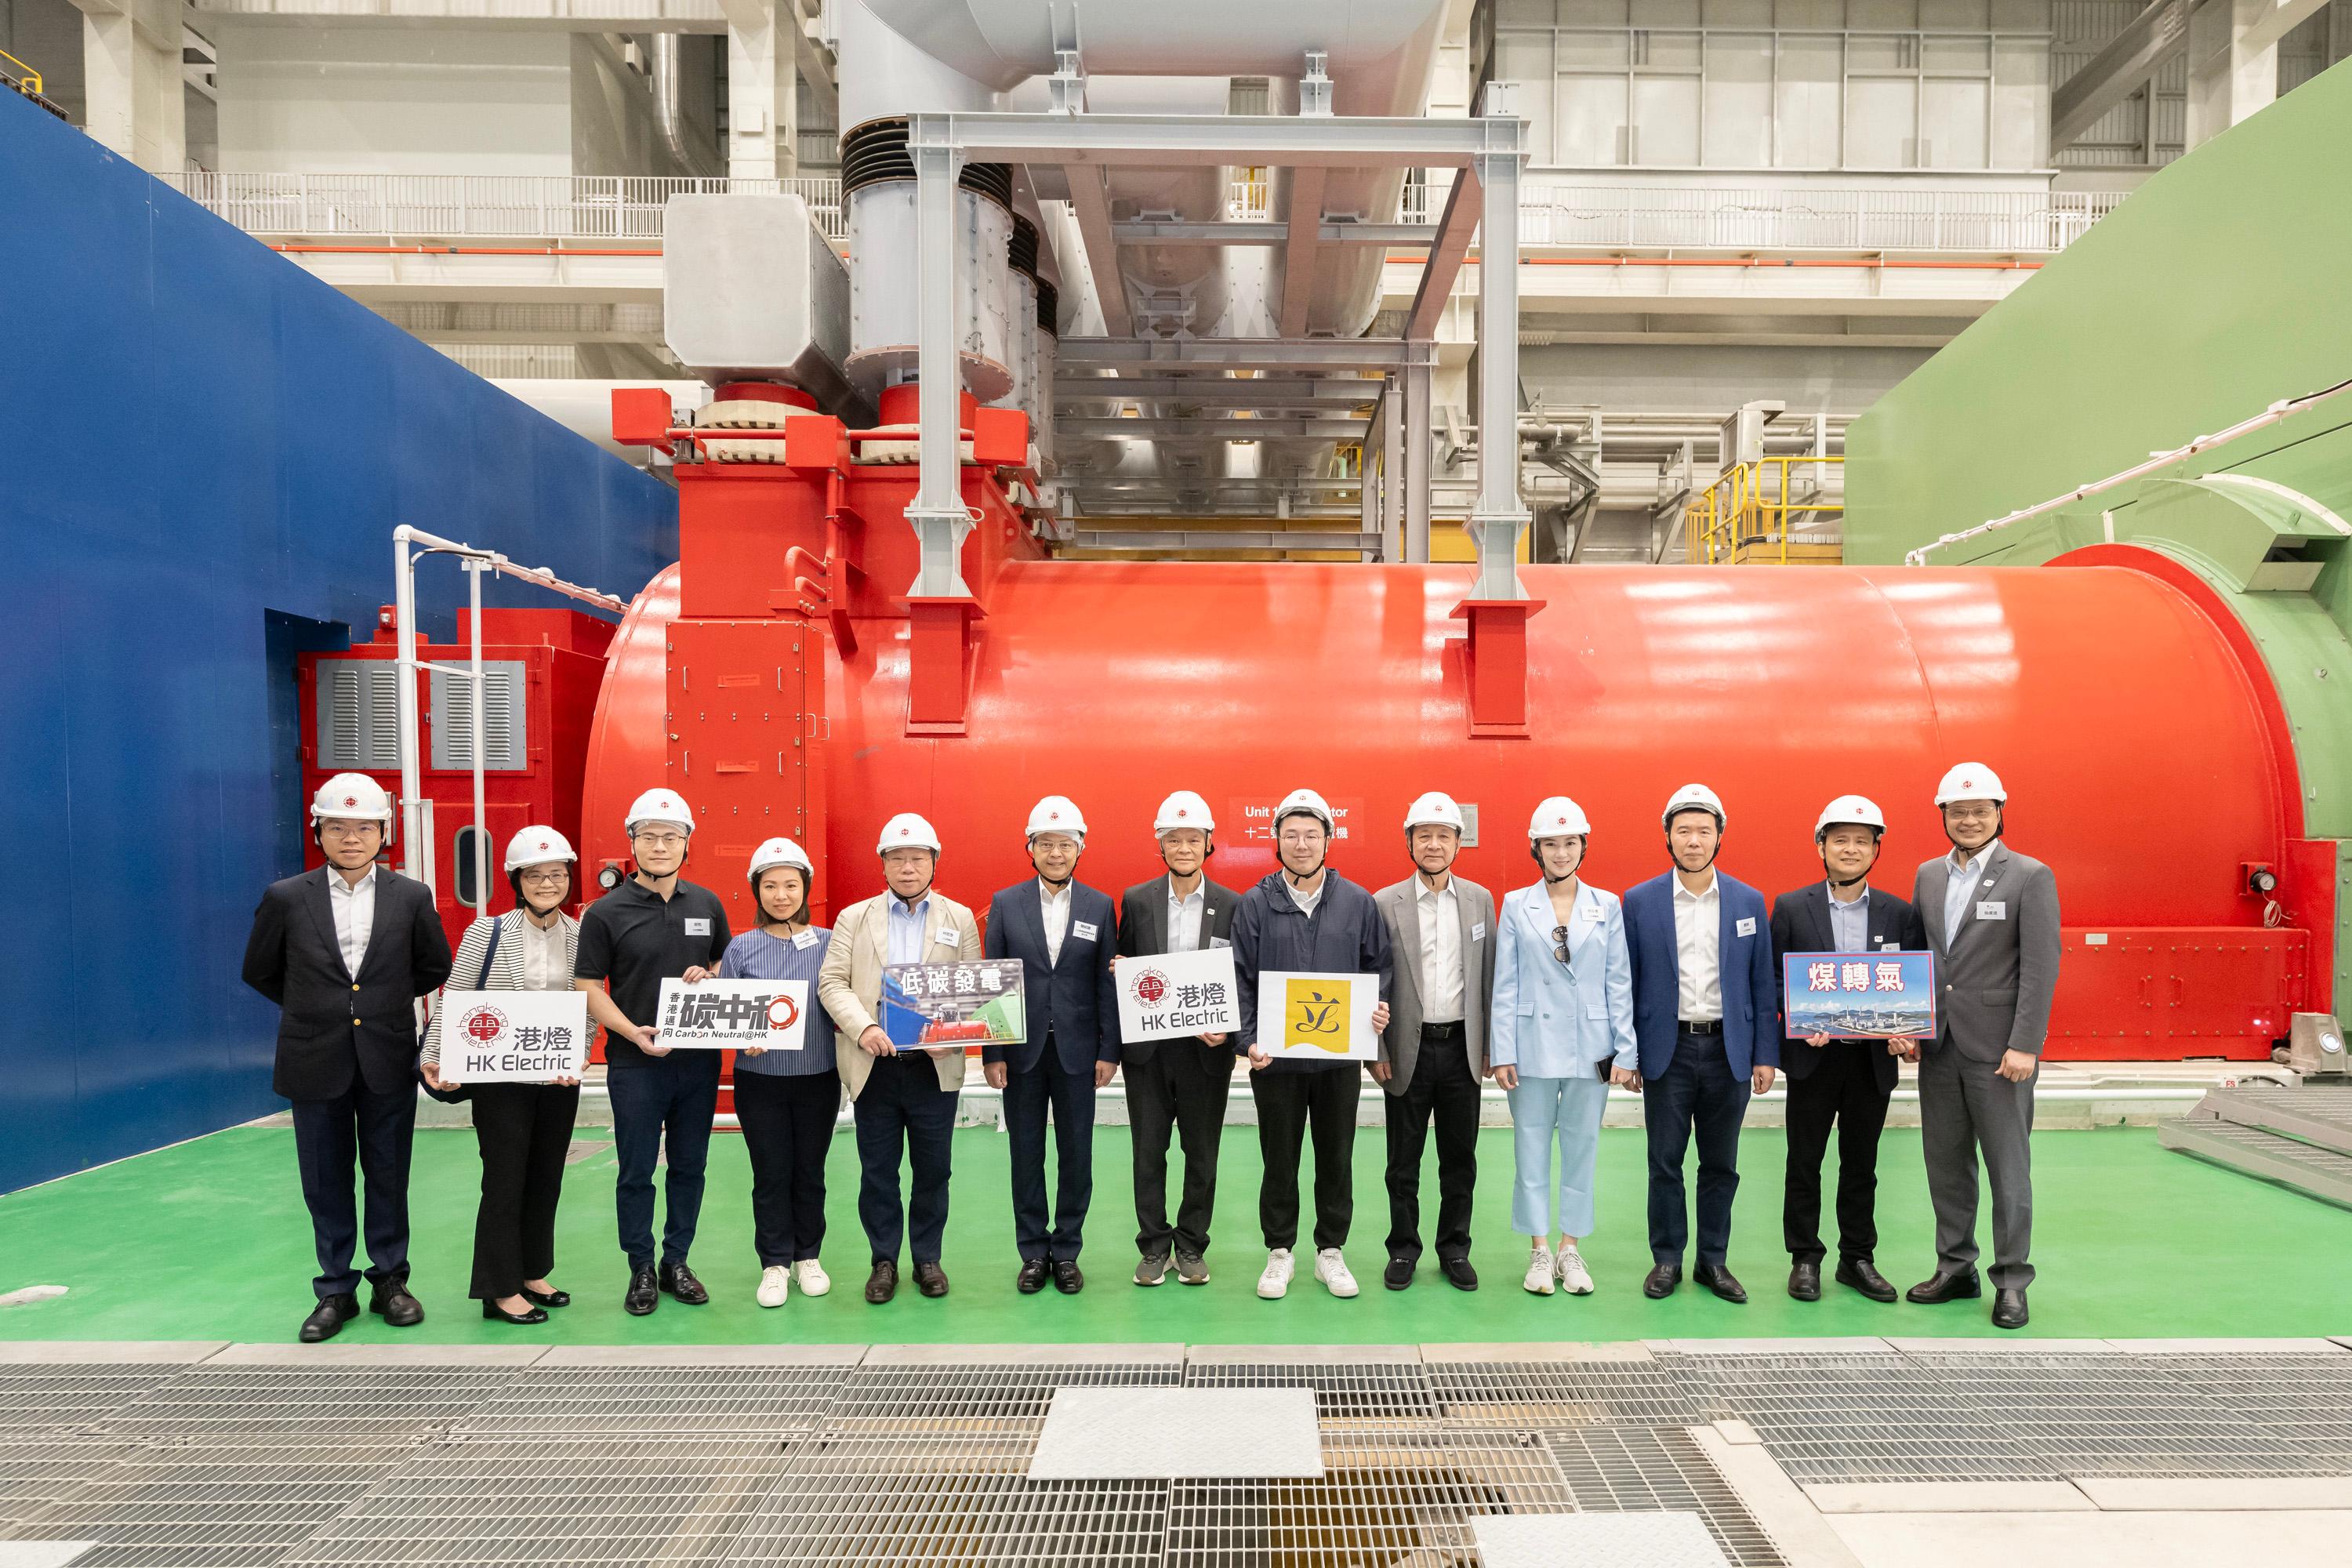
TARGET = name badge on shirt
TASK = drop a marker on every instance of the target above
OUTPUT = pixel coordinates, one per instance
(1083, 930)
(1218, 942)
(697, 925)
(1744, 926)
(1887, 942)
(1478, 931)
(805, 940)
(1989, 910)
(947, 937)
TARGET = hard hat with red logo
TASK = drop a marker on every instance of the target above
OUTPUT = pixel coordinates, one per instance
(1434, 809)
(1557, 818)
(908, 831)
(661, 805)
(1970, 781)
(352, 797)
(1857, 809)
(778, 852)
(1058, 814)
(1304, 803)
(537, 847)
(1696, 797)
(1183, 809)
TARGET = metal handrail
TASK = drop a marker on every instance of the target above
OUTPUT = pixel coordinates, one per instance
(27, 79)
(1742, 509)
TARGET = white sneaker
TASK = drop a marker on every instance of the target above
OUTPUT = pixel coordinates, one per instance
(776, 1284)
(1538, 1280)
(1332, 1270)
(810, 1275)
(1574, 1278)
(1274, 1283)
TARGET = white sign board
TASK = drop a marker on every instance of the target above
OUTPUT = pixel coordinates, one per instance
(1166, 996)
(1317, 1018)
(513, 1037)
(728, 1015)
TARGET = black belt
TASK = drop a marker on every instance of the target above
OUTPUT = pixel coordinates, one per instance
(1702, 1025)
(1442, 1031)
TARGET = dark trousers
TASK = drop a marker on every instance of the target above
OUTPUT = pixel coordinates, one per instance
(1965, 1105)
(903, 1111)
(1843, 1088)
(1070, 1097)
(1182, 1087)
(525, 1132)
(375, 1131)
(671, 1098)
(787, 1131)
(1443, 1088)
(1699, 1089)
(1287, 1104)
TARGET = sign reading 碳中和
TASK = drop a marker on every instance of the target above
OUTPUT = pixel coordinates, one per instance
(513, 1037)
(729, 1015)
(1860, 995)
(1164, 996)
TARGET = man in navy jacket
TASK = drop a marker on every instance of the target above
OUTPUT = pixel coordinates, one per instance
(1706, 1017)
(1065, 935)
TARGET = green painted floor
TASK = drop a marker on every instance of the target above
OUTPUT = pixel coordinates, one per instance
(209, 1240)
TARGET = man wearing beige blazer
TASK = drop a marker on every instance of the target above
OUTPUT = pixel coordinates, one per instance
(904, 1102)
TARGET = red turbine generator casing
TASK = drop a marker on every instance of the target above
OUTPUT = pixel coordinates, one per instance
(2136, 730)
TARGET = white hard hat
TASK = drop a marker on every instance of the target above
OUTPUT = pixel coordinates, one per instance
(1435, 809)
(1854, 808)
(779, 852)
(1696, 797)
(1058, 814)
(659, 806)
(908, 831)
(1970, 781)
(1557, 818)
(1183, 809)
(1307, 803)
(537, 847)
(352, 797)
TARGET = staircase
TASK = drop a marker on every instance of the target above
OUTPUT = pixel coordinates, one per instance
(2299, 1137)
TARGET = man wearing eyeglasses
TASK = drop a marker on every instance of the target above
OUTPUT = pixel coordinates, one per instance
(656, 926)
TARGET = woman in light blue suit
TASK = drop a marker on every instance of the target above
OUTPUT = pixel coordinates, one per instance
(1561, 1032)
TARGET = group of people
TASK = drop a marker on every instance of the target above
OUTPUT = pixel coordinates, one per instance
(1557, 995)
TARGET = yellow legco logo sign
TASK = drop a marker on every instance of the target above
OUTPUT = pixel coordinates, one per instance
(1314, 1015)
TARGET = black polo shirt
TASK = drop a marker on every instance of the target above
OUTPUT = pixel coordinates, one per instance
(636, 938)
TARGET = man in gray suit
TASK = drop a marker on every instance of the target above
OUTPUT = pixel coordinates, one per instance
(1434, 1051)
(1991, 919)
(1179, 1086)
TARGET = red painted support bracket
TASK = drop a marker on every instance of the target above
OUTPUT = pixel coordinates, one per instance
(1494, 664)
(941, 635)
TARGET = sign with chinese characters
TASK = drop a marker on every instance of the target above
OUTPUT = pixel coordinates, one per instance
(1168, 994)
(728, 1015)
(513, 1037)
(1860, 995)
(1317, 1018)
(970, 1005)
(1252, 819)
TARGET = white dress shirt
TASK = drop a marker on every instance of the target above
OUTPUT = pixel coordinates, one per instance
(1698, 950)
(1960, 877)
(1185, 916)
(543, 967)
(1441, 953)
(1850, 922)
(1057, 908)
(1304, 899)
(905, 927)
(355, 908)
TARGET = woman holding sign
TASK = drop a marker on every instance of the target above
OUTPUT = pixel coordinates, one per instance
(786, 1100)
(524, 1129)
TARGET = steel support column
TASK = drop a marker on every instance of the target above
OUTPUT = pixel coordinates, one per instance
(1415, 475)
(937, 514)
(1500, 516)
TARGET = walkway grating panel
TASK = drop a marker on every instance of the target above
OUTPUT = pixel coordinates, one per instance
(41, 1397)
(944, 1400)
(1344, 1391)
(628, 1400)
(308, 1404)
(1647, 1469)
(1871, 1418)
(35, 1474)
(1597, 1393)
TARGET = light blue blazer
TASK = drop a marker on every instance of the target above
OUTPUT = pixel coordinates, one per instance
(1544, 1023)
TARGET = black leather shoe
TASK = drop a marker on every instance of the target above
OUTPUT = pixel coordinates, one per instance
(1399, 1273)
(328, 1317)
(931, 1279)
(1067, 1279)
(679, 1282)
(1860, 1274)
(1659, 1282)
(2009, 1310)
(1717, 1278)
(547, 1298)
(498, 1314)
(644, 1292)
(1032, 1278)
(1805, 1280)
(1947, 1285)
(392, 1303)
(883, 1283)
(1458, 1273)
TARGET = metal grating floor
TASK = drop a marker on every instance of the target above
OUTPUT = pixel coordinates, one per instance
(1645, 1470)
(1344, 1391)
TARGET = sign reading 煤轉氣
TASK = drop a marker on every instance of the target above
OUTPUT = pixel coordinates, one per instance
(1860, 995)
(728, 1015)
(972, 1003)
(513, 1037)
(1164, 996)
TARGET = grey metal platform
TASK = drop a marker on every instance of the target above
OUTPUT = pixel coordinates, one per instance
(2300, 1137)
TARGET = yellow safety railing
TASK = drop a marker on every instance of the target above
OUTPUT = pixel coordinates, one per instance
(27, 79)
(1747, 515)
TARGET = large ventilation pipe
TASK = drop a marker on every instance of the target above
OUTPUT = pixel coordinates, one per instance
(878, 185)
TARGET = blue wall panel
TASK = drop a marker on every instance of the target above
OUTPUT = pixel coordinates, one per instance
(193, 433)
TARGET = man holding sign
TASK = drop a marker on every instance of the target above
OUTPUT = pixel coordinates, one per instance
(1314, 965)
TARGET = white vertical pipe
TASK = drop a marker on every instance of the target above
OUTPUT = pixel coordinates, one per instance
(412, 781)
(1500, 516)
(481, 697)
(937, 514)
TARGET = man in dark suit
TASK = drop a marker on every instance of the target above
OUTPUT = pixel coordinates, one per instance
(1706, 1011)
(1176, 1086)
(345, 951)
(1841, 1083)
(1064, 934)
(1991, 920)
